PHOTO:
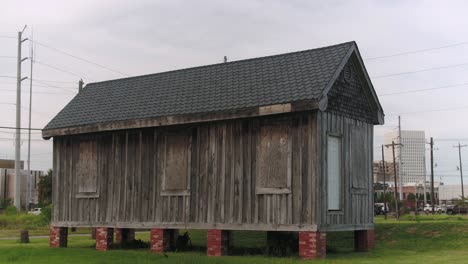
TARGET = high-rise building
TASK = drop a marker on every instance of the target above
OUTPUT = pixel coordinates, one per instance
(412, 154)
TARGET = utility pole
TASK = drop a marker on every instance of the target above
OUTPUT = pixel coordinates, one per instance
(431, 143)
(17, 200)
(461, 169)
(28, 194)
(384, 184)
(395, 177)
(399, 159)
(424, 180)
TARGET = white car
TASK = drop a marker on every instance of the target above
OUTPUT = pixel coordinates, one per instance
(428, 209)
(35, 211)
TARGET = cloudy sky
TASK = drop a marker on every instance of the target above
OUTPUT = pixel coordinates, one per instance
(140, 37)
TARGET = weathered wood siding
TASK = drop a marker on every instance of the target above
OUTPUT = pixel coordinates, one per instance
(223, 174)
(357, 185)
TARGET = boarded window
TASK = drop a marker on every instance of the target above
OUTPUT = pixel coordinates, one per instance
(274, 159)
(87, 167)
(334, 165)
(358, 167)
(176, 162)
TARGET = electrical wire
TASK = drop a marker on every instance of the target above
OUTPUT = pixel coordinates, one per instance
(416, 51)
(54, 81)
(38, 85)
(432, 110)
(27, 92)
(61, 70)
(12, 139)
(418, 71)
(79, 58)
(24, 128)
(53, 86)
(423, 90)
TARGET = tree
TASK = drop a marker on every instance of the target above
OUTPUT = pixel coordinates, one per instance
(411, 197)
(45, 189)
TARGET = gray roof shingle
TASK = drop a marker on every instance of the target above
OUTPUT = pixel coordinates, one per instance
(234, 85)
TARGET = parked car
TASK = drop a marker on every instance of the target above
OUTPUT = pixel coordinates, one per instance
(35, 211)
(457, 209)
(428, 209)
(379, 208)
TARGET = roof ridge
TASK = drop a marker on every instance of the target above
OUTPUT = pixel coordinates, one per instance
(226, 63)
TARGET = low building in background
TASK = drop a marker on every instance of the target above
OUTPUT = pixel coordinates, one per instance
(450, 193)
(9, 164)
(378, 172)
(7, 185)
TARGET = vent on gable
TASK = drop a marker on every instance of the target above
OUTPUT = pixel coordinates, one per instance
(348, 73)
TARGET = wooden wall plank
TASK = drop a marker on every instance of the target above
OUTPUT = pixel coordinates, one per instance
(222, 179)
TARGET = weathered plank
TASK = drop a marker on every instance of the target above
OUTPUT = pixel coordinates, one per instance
(222, 175)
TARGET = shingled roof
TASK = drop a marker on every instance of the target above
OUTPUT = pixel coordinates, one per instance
(278, 79)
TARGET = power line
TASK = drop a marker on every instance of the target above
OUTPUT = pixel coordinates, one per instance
(25, 128)
(451, 139)
(38, 85)
(61, 70)
(427, 89)
(7, 57)
(12, 139)
(79, 58)
(40, 154)
(11, 90)
(417, 71)
(5, 76)
(25, 133)
(433, 110)
(8, 37)
(416, 51)
(53, 86)
(55, 81)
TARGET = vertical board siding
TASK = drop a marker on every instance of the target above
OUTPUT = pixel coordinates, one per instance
(222, 177)
(357, 203)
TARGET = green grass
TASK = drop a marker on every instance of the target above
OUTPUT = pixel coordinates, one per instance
(37, 225)
(427, 239)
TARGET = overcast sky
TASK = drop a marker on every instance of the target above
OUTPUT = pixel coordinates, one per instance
(140, 37)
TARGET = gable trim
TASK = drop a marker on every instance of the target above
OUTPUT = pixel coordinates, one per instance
(347, 57)
(337, 71)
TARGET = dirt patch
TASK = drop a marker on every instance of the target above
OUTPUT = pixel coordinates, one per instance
(463, 230)
(412, 230)
(432, 234)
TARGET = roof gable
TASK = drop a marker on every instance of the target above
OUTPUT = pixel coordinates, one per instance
(280, 79)
(351, 95)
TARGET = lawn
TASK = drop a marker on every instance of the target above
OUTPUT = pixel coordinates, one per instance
(427, 239)
(37, 225)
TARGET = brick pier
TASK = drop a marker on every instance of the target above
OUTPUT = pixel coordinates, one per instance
(312, 245)
(364, 240)
(217, 242)
(124, 235)
(58, 236)
(104, 238)
(163, 240)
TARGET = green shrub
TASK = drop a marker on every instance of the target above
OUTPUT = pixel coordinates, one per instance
(46, 213)
(12, 220)
(4, 203)
(10, 210)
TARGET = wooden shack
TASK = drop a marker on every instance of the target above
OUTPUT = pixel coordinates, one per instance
(277, 143)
